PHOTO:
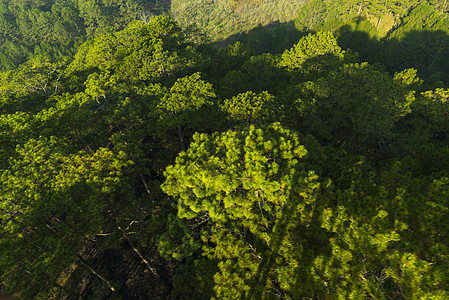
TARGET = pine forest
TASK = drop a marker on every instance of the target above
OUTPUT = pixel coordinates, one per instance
(224, 149)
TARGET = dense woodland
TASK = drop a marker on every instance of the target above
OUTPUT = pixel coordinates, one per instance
(148, 153)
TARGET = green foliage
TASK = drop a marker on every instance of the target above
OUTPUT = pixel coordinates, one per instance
(409, 78)
(322, 14)
(421, 42)
(314, 53)
(185, 105)
(398, 34)
(369, 102)
(250, 108)
(434, 106)
(54, 28)
(260, 73)
(187, 95)
(142, 51)
(80, 138)
(51, 200)
(247, 201)
(244, 195)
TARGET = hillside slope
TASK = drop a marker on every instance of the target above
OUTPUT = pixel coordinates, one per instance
(53, 28)
(399, 35)
(218, 19)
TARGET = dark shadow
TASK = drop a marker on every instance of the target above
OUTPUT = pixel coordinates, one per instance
(124, 269)
(158, 7)
(273, 38)
(311, 236)
(426, 51)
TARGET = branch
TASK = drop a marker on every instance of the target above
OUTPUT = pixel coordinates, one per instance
(87, 265)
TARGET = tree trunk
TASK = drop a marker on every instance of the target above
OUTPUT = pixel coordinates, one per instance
(88, 266)
(153, 270)
(180, 132)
